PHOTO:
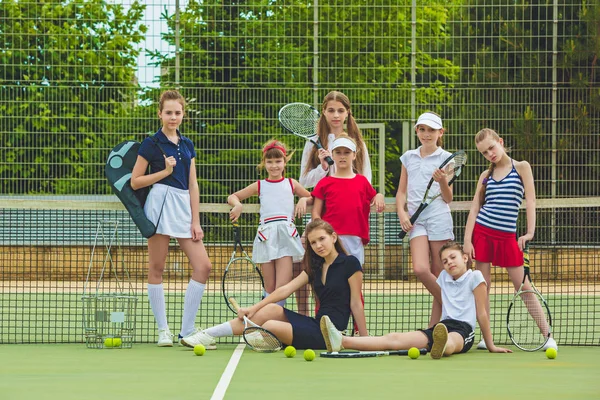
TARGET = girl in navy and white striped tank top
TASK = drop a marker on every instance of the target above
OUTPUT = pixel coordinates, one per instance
(490, 234)
(502, 201)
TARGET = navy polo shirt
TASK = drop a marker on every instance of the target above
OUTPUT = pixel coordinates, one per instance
(334, 296)
(183, 152)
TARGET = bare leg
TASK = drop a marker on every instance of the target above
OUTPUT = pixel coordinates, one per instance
(419, 249)
(284, 268)
(270, 312)
(455, 344)
(301, 294)
(531, 301)
(268, 272)
(486, 271)
(196, 253)
(436, 268)
(158, 247)
(391, 341)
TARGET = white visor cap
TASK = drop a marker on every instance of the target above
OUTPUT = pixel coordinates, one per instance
(429, 119)
(343, 142)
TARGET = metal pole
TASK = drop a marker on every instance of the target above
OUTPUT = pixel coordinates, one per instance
(177, 44)
(413, 69)
(316, 100)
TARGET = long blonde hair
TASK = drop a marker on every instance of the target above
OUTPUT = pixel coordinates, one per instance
(479, 137)
(352, 130)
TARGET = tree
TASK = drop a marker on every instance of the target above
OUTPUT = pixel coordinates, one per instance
(68, 69)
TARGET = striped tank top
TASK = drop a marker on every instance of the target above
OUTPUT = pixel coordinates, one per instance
(502, 201)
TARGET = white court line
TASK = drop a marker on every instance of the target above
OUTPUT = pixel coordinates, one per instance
(223, 384)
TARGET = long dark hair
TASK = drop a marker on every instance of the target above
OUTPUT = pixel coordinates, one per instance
(312, 261)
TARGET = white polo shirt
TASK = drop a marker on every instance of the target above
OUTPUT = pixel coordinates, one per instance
(420, 170)
(458, 300)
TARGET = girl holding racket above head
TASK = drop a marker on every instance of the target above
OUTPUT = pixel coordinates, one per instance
(336, 280)
(335, 113)
(463, 294)
(277, 241)
(490, 234)
(173, 205)
(434, 226)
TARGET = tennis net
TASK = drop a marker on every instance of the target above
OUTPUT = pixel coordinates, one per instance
(46, 248)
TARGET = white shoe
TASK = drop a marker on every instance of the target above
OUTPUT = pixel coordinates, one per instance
(440, 339)
(481, 345)
(550, 344)
(256, 340)
(165, 338)
(332, 337)
(199, 337)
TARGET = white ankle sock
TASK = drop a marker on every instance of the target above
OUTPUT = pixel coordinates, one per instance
(156, 296)
(221, 330)
(191, 304)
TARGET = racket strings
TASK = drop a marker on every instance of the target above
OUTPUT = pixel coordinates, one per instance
(299, 119)
(261, 340)
(528, 321)
(243, 282)
(455, 166)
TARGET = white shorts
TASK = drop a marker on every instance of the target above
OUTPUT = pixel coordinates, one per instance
(435, 227)
(354, 246)
(176, 217)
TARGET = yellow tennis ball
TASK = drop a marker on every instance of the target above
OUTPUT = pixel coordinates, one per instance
(117, 342)
(108, 342)
(290, 352)
(199, 350)
(309, 355)
(551, 353)
(414, 353)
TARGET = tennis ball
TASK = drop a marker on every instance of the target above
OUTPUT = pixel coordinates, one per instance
(199, 350)
(414, 353)
(108, 342)
(290, 352)
(551, 353)
(117, 342)
(309, 355)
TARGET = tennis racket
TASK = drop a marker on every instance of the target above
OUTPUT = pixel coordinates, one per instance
(256, 337)
(528, 320)
(453, 167)
(242, 279)
(365, 354)
(301, 120)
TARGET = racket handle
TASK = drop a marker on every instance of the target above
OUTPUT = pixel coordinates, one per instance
(234, 303)
(413, 219)
(329, 160)
(318, 144)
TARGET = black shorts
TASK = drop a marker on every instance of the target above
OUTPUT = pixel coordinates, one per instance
(462, 328)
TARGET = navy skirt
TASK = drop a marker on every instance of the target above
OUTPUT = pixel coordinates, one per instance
(306, 331)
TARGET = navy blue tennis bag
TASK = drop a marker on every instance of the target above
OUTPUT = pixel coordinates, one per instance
(117, 170)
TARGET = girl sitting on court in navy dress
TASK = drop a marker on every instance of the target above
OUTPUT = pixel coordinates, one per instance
(336, 279)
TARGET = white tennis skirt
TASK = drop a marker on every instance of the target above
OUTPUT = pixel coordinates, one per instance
(276, 240)
(176, 217)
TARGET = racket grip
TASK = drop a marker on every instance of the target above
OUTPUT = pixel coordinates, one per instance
(234, 303)
(329, 160)
(413, 219)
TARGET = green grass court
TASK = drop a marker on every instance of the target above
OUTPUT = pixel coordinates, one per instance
(71, 371)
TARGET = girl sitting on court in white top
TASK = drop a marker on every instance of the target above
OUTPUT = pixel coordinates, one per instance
(434, 226)
(463, 293)
(277, 241)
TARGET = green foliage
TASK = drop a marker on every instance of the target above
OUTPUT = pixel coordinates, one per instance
(69, 70)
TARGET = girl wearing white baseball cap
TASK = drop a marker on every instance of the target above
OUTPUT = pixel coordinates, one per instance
(434, 228)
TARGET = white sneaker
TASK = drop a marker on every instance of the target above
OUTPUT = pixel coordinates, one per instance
(165, 338)
(199, 337)
(332, 337)
(440, 339)
(255, 339)
(550, 344)
(481, 345)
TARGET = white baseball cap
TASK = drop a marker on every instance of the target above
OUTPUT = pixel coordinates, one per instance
(430, 119)
(343, 142)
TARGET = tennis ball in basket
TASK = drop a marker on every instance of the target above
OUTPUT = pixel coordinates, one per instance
(117, 342)
(414, 353)
(551, 353)
(108, 342)
(199, 350)
(290, 352)
(309, 355)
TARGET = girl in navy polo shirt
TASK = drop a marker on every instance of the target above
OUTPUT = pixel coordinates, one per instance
(173, 205)
(336, 280)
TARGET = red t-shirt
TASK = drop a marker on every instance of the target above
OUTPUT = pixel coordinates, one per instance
(347, 204)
